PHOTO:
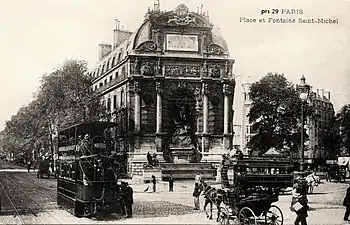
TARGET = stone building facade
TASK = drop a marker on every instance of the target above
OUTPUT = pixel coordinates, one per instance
(317, 125)
(170, 87)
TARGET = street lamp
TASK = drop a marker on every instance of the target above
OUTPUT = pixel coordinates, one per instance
(303, 90)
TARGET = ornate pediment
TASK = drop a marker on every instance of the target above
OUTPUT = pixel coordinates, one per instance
(181, 17)
(216, 49)
(147, 46)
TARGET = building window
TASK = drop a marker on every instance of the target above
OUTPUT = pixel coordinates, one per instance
(110, 78)
(105, 81)
(108, 104)
(247, 129)
(114, 101)
(113, 61)
(116, 74)
(101, 84)
(245, 96)
(122, 97)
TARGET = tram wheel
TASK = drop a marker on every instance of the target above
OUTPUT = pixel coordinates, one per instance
(246, 216)
(274, 216)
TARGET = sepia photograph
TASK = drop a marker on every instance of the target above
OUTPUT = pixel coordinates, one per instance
(175, 112)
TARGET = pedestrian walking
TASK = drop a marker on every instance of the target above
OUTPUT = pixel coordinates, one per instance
(154, 183)
(346, 203)
(129, 200)
(196, 193)
(171, 183)
(299, 202)
(28, 165)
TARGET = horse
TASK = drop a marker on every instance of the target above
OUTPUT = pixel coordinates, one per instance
(212, 196)
(312, 180)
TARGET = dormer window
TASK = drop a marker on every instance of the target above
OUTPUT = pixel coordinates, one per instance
(113, 61)
(119, 57)
(103, 69)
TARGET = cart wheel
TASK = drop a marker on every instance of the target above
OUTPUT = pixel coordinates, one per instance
(223, 216)
(246, 216)
(226, 217)
(274, 216)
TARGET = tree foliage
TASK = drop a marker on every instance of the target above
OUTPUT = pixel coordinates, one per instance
(343, 122)
(64, 97)
(275, 114)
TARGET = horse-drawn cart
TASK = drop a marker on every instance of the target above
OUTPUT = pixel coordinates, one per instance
(250, 187)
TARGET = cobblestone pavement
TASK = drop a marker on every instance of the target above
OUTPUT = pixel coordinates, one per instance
(35, 200)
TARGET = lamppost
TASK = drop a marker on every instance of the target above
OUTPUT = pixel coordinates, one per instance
(303, 90)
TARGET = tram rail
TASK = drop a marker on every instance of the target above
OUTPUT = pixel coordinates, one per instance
(20, 209)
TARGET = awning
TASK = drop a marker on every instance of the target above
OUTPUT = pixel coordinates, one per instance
(343, 161)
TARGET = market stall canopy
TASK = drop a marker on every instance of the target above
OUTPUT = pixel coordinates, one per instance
(272, 151)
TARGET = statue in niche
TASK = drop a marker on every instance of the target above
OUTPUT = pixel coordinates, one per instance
(182, 124)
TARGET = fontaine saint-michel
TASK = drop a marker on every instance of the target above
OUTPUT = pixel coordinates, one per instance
(170, 87)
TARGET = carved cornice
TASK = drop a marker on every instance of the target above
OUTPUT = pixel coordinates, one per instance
(147, 46)
(182, 70)
(216, 49)
(147, 69)
(215, 71)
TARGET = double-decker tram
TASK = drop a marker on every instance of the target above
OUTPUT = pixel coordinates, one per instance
(87, 182)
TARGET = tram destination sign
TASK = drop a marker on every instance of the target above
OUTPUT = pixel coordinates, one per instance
(178, 42)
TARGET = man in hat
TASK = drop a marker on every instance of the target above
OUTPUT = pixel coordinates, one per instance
(154, 182)
(346, 203)
(299, 198)
(129, 200)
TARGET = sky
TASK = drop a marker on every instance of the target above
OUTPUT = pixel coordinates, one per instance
(37, 36)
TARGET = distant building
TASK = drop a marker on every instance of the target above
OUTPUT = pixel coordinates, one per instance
(237, 140)
(317, 126)
(246, 126)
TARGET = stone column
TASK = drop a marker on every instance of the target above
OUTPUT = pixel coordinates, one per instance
(227, 108)
(137, 110)
(205, 92)
(159, 107)
(159, 122)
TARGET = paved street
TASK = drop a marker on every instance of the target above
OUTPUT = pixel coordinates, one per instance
(26, 199)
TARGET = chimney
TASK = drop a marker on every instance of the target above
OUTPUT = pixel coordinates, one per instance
(105, 49)
(156, 6)
(119, 34)
(328, 93)
(322, 93)
(318, 93)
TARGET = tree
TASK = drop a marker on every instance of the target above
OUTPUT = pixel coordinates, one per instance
(331, 137)
(343, 120)
(64, 97)
(275, 115)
